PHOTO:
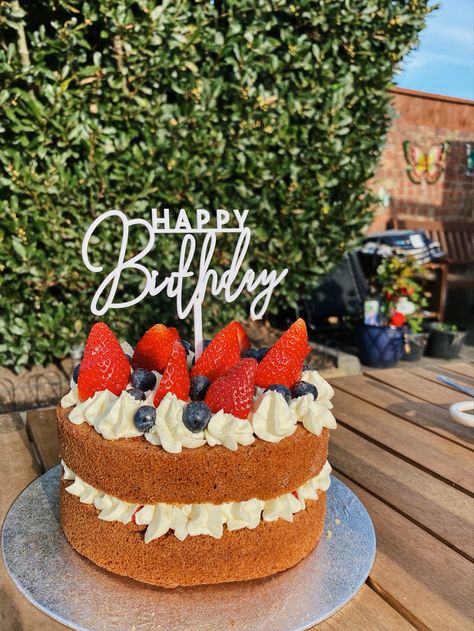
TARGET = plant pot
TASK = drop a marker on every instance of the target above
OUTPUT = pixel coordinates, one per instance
(417, 343)
(379, 346)
(444, 344)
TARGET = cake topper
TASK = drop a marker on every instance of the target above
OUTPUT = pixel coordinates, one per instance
(153, 283)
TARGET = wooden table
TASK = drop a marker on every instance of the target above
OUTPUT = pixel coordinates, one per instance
(397, 448)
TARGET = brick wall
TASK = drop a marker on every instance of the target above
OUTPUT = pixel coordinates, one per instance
(427, 119)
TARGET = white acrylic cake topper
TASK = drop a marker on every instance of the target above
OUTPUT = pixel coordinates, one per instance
(173, 283)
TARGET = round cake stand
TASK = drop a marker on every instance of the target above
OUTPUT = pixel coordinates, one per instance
(80, 595)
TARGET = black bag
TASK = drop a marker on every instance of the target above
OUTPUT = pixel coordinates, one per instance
(342, 292)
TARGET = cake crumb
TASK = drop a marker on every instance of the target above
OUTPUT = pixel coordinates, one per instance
(329, 534)
(337, 521)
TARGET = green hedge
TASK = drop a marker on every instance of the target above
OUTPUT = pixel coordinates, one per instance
(277, 107)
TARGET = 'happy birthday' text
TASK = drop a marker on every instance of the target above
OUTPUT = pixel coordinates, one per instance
(206, 279)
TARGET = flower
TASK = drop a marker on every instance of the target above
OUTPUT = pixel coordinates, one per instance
(397, 319)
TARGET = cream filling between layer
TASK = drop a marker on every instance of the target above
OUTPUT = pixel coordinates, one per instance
(198, 519)
(271, 418)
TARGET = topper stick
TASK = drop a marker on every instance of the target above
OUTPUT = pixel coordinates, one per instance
(197, 312)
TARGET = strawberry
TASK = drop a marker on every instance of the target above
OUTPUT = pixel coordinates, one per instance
(283, 363)
(104, 365)
(154, 348)
(242, 338)
(139, 507)
(222, 353)
(233, 391)
(176, 376)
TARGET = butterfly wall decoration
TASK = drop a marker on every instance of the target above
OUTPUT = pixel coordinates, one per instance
(424, 166)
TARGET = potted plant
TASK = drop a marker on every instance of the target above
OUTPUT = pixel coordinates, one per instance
(396, 329)
(445, 340)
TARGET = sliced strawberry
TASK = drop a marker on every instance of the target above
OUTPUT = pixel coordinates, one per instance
(104, 365)
(135, 512)
(153, 350)
(222, 353)
(176, 376)
(283, 363)
(233, 391)
(242, 338)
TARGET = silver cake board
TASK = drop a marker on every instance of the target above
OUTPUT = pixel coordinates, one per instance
(81, 596)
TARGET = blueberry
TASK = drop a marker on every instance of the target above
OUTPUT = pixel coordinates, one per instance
(261, 353)
(137, 394)
(283, 390)
(130, 358)
(145, 418)
(75, 373)
(143, 379)
(249, 353)
(302, 388)
(199, 386)
(188, 347)
(196, 416)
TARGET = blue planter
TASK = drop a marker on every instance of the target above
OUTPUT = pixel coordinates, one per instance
(379, 346)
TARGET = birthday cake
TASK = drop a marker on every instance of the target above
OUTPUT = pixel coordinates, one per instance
(184, 471)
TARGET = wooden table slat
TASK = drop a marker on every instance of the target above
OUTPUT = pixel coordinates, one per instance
(411, 566)
(18, 467)
(366, 612)
(431, 372)
(433, 504)
(437, 394)
(406, 406)
(401, 453)
(462, 368)
(41, 427)
(424, 449)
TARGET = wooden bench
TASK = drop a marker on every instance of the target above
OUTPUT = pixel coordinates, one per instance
(456, 239)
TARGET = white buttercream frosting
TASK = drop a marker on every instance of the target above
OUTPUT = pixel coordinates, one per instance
(169, 430)
(226, 429)
(325, 390)
(117, 419)
(111, 415)
(271, 418)
(313, 414)
(71, 398)
(198, 519)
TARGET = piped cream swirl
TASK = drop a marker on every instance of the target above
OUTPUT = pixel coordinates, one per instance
(272, 418)
(169, 430)
(198, 519)
(226, 429)
(71, 398)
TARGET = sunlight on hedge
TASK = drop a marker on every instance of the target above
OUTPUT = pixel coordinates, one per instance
(281, 108)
